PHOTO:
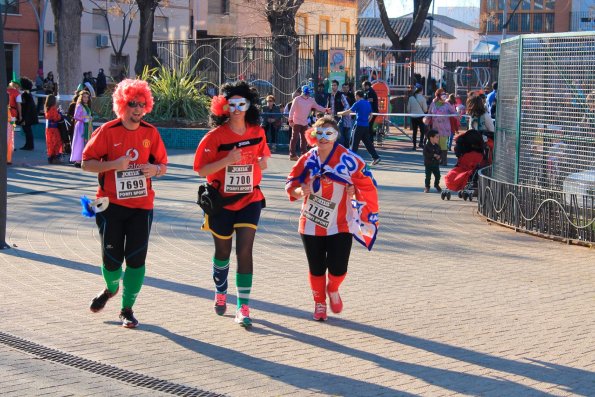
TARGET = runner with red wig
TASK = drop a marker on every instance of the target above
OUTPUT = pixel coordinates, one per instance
(126, 153)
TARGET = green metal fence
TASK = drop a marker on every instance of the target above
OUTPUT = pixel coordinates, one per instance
(543, 176)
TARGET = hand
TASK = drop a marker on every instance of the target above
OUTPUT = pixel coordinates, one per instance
(149, 170)
(350, 190)
(305, 190)
(121, 164)
(234, 156)
(262, 163)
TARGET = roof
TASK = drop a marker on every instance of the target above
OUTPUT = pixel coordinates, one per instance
(447, 21)
(372, 27)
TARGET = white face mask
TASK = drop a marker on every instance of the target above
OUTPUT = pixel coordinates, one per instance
(328, 133)
(242, 104)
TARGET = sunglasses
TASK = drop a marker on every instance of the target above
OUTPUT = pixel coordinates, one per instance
(240, 104)
(134, 104)
(328, 133)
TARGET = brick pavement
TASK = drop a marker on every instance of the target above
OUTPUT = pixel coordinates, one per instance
(445, 304)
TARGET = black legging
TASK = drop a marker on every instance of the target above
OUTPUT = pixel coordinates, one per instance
(363, 134)
(328, 252)
(28, 130)
(244, 243)
(124, 234)
(415, 123)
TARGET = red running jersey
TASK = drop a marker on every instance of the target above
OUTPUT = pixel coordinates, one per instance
(144, 145)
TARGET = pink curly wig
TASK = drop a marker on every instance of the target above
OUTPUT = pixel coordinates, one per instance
(127, 90)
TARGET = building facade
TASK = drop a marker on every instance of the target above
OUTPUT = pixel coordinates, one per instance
(171, 23)
(217, 18)
(21, 38)
(535, 16)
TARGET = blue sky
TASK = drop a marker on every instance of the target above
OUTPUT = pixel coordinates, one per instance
(396, 8)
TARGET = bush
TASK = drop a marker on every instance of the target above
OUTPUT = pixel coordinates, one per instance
(177, 93)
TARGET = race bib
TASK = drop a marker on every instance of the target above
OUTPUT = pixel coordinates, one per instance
(320, 211)
(239, 178)
(131, 184)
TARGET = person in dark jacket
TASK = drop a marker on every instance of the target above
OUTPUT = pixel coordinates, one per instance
(28, 113)
(101, 82)
(432, 153)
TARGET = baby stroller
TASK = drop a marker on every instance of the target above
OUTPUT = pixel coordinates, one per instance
(473, 153)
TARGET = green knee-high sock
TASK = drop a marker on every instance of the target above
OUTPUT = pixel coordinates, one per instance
(133, 281)
(244, 286)
(112, 279)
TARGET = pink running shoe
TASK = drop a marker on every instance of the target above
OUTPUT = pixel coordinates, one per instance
(243, 316)
(336, 302)
(319, 312)
(220, 304)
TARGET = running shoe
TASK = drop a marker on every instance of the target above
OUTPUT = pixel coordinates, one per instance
(98, 303)
(376, 161)
(220, 304)
(336, 302)
(127, 317)
(319, 312)
(243, 316)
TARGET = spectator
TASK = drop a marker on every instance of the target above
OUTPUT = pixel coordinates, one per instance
(441, 107)
(53, 141)
(417, 105)
(338, 103)
(321, 97)
(432, 157)
(271, 121)
(371, 96)
(362, 110)
(298, 120)
(492, 100)
(101, 82)
(28, 113)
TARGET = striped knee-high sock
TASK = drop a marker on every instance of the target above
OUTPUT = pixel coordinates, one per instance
(244, 287)
(220, 272)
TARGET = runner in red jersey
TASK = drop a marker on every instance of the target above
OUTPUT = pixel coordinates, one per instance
(125, 153)
(232, 157)
(339, 201)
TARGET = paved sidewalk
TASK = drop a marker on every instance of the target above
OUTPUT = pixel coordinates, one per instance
(445, 304)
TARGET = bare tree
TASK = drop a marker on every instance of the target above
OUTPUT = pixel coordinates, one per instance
(67, 24)
(281, 17)
(144, 54)
(127, 10)
(420, 12)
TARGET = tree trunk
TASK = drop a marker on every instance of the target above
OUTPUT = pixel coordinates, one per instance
(285, 46)
(144, 55)
(3, 143)
(420, 12)
(67, 17)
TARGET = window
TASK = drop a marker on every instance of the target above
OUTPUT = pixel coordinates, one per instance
(500, 4)
(9, 6)
(344, 26)
(525, 22)
(161, 26)
(445, 47)
(301, 24)
(323, 26)
(99, 21)
(544, 5)
(513, 25)
(548, 25)
(526, 5)
(538, 23)
(219, 7)
(491, 4)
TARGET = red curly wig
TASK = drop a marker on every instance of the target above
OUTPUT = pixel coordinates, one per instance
(127, 90)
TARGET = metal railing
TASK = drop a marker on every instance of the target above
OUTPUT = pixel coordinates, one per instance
(551, 213)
